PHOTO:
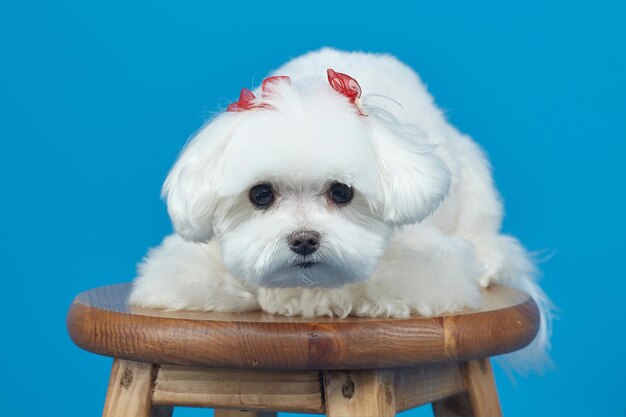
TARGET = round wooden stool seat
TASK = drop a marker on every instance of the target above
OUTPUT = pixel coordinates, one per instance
(101, 321)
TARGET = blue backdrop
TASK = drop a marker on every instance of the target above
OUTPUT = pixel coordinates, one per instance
(97, 99)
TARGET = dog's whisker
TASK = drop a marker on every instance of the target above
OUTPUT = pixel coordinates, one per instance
(308, 281)
(366, 99)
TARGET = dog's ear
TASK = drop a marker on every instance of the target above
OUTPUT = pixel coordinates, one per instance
(415, 180)
(191, 186)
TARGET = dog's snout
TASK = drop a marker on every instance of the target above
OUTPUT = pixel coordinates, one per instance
(304, 242)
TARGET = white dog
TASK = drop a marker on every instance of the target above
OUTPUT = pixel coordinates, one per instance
(305, 198)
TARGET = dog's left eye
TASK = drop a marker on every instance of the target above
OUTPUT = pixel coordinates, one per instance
(340, 193)
(261, 195)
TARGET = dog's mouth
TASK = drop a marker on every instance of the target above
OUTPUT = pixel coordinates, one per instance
(306, 265)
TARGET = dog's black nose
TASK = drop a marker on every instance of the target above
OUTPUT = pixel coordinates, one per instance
(304, 242)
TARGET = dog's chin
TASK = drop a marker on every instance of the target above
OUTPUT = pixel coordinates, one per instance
(311, 274)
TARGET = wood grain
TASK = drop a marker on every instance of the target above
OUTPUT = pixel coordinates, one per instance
(130, 390)
(363, 393)
(481, 397)
(101, 321)
(481, 388)
(419, 385)
(239, 389)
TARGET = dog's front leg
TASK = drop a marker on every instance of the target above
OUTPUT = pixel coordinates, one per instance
(425, 272)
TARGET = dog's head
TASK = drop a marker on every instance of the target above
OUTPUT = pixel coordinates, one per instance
(301, 188)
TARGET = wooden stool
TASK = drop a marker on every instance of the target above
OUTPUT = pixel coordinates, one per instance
(262, 362)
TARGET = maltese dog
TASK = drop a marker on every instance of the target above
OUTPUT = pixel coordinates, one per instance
(323, 193)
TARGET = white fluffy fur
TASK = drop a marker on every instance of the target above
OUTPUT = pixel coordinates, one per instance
(422, 235)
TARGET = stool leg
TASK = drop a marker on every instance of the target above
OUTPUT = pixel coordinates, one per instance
(130, 391)
(363, 393)
(481, 397)
(241, 413)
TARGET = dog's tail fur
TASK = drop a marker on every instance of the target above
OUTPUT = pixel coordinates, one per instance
(519, 271)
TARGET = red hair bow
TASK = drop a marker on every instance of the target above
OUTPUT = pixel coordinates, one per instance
(346, 86)
(247, 97)
(342, 83)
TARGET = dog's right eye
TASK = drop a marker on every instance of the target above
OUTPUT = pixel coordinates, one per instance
(261, 195)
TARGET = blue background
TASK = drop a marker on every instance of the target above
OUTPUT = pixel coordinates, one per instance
(98, 98)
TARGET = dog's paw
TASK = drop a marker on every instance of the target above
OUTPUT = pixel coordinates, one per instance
(428, 307)
(371, 308)
(307, 302)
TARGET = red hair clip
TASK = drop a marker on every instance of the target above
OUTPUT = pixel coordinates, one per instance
(247, 99)
(346, 86)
